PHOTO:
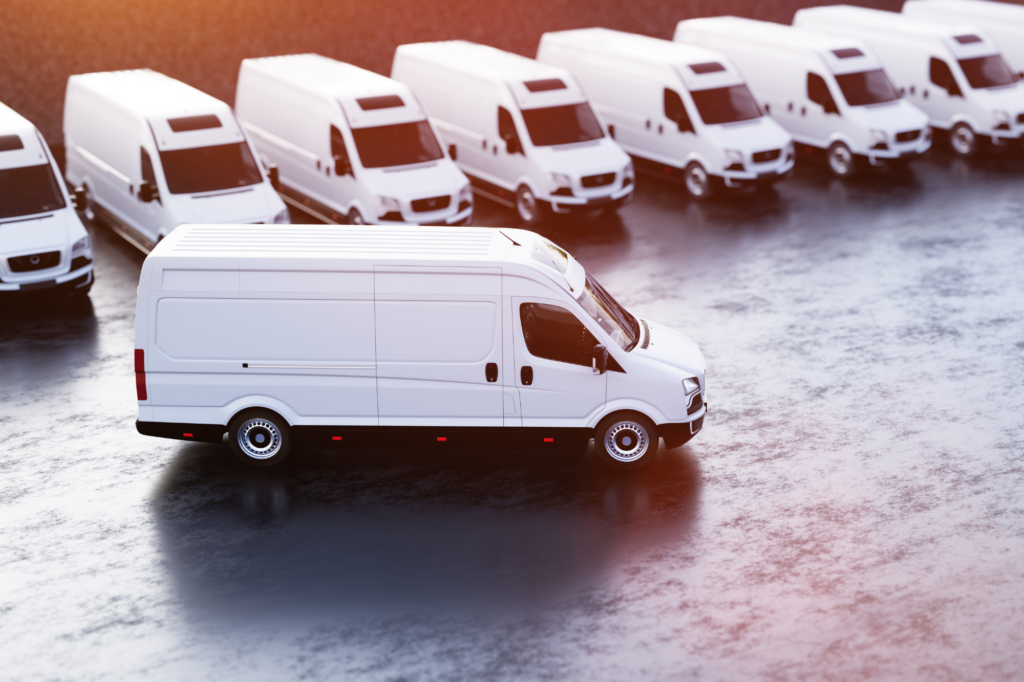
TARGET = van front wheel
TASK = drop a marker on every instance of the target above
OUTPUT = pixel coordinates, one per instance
(355, 217)
(626, 440)
(698, 182)
(963, 140)
(528, 206)
(259, 438)
(841, 160)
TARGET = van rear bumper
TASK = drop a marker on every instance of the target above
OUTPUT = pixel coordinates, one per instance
(202, 433)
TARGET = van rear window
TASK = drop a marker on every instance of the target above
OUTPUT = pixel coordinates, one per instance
(847, 53)
(545, 84)
(186, 124)
(381, 102)
(967, 39)
(706, 67)
(9, 143)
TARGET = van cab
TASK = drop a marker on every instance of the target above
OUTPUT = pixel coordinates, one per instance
(953, 72)
(43, 245)
(151, 153)
(831, 94)
(524, 132)
(350, 145)
(678, 110)
(432, 338)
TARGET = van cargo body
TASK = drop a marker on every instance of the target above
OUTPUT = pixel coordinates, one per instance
(43, 244)
(435, 338)
(677, 109)
(1003, 21)
(522, 131)
(830, 93)
(350, 145)
(153, 153)
(953, 72)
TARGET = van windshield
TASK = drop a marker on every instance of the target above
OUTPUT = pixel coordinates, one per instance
(866, 87)
(725, 105)
(566, 124)
(207, 169)
(29, 190)
(396, 145)
(612, 317)
(987, 72)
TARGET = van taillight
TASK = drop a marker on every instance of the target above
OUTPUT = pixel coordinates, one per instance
(140, 373)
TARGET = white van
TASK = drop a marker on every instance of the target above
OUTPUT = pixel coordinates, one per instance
(522, 131)
(830, 93)
(446, 338)
(678, 110)
(152, 153)
(43, 245)
(953, 72)
(350, 145)
(1003, 21)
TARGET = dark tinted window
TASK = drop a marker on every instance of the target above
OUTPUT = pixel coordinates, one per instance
(207, 169)
(612, 317)
(675, 111)
(147, 168)
(847, 53)
(818, 92)
(866, 87)
(967, 39)
(29, 190)
(553, 333)
(562, 125)
(941, 76)
(381, 102)
(507, 127)
(706, 67)
(545, 84)
(338, 147)
(986, 72)
(725, 105)
(9, 143)
(187, 123)
(396, 145)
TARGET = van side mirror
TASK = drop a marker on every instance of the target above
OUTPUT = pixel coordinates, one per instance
(147, 192)
(512, 144)
(274, 175)
(342, 166)
(599, 359)
(78, 199)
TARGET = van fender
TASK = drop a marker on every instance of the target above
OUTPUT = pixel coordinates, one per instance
(531, 183)
(839, 136)
(263, 401)
(632, 404)
(961, 117)
(716, 169)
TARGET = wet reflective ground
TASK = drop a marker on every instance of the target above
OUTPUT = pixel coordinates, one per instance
(852, 510)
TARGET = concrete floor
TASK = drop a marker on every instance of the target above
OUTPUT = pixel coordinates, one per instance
(852, 509)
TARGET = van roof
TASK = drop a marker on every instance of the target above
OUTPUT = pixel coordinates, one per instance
(982, 9)
(28, 149)
(631, 48)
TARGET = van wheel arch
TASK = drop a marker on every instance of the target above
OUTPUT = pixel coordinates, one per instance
(250, 428)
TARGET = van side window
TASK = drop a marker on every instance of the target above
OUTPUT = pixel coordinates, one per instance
(148, 176)
(818, 92)
(941, 76)
(553, 333)
(507, 131)
(675, 111)
(339, 152)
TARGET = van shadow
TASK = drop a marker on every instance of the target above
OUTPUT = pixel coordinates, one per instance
(43, 335)
(378, 533)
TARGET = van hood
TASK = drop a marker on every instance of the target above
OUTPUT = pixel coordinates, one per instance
(672, 348)
(436, 179)
(249, 205)
(56, 233)
(758, 135)
(895, 117)
(585, 158)
(1009, 99)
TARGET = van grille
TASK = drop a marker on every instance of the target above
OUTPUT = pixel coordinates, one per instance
(431, 204)
(598, 180)
(697, 424)
(765, 157)
(35, 261)
(695, 404)
(908, 136)
(1020, 118)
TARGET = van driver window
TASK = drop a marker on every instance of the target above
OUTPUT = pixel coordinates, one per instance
(338, 144)
(553, 333)
(941, 76)
(147, 168)
(507, 129)
(675, 111)
(818, 92)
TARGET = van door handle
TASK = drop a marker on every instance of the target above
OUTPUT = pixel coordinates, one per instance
(491, 371)
(526, 375)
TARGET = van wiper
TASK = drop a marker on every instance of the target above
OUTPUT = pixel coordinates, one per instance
(509, 238)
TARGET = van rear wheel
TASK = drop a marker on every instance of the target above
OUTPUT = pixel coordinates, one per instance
(626, 440)
(841, 160)
(260, 438)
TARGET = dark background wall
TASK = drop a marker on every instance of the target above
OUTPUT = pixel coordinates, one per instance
(202, 42)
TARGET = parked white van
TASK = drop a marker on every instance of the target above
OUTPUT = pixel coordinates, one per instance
(1003, 21)
(447, 338)
(678, 110)
(43, 245)
(350, 145)
(152, 153)
(522, 131)
(831, 94)
(953, 72)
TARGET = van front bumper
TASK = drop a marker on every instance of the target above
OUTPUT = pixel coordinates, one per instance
(76, 279)
(736, 179)
(463, 217)
(678, 433)
(611, 202)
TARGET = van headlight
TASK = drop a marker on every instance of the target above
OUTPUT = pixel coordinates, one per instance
(733, 160)
(282, 218)
(790, 150)
(1001, 120)
(81, 246)
(877, 139)
(690, 386)
(560, 180)
(628, 170)
(466, 194)
(387, 205)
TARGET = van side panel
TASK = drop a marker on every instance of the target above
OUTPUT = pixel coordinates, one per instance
(102, 147)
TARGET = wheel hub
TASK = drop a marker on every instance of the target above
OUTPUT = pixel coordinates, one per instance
(627, 441)
(259, 439)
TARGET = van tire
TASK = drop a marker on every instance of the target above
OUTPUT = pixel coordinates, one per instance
(355, 217)
(248, 428)
(626, 440)
(528, 206)
(841, 160)
(697, 181)
(963, 140)
(89, 212)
